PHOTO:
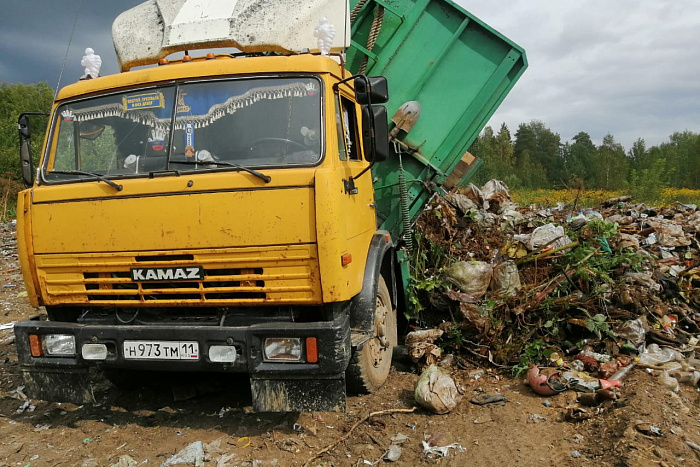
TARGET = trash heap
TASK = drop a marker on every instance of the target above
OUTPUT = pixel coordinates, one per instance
(571, 297)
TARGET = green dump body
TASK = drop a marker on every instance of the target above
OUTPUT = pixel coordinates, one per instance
(456, 67)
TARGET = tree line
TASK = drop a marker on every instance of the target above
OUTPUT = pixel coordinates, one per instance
(536, 157)
(15, 99)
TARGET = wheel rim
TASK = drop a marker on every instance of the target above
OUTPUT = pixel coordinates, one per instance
(379, 345)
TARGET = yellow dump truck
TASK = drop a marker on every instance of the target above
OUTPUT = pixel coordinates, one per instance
(245, 212)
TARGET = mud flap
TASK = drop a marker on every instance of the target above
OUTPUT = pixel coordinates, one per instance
(298, 395)
(58, 384)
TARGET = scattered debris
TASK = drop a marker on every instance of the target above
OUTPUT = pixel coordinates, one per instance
(537, 418)
(125, 461)
(648, 430)
(349, 432)
(437, 391)
(488, 398)
(576, 298)
(192, 455)
(438, 452)
(393, 454)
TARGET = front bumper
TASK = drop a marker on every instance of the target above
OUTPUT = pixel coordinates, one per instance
(58, 378)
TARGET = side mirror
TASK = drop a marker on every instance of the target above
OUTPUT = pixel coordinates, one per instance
(23, 126)
(25, 154)
(375, 133)
(371, 90)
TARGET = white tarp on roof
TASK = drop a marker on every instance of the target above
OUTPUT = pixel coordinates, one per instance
(157, 28)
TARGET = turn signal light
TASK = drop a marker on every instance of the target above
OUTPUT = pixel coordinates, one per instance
(35, 345)
(311, 350)
(346, 259)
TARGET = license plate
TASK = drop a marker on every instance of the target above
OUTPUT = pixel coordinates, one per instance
(161, 350)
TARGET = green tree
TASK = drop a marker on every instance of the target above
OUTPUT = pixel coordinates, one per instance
(579, 158)
(15, 99)
(646, 184)
(610, 166)
(538, 148)
(639, 155)
(496, 150)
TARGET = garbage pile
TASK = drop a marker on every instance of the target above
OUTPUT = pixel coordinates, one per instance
(571, 297)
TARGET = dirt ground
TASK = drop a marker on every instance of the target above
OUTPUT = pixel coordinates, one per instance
(649, 426)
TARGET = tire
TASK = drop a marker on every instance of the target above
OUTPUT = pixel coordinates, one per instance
(369, 366)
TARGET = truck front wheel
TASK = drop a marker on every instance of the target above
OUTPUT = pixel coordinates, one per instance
(369, 366)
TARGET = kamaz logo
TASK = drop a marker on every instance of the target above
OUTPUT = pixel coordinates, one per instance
(167, 274)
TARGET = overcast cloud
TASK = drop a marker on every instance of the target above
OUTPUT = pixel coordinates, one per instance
(624, 67)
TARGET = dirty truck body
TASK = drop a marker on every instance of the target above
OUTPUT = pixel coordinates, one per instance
(224, 214)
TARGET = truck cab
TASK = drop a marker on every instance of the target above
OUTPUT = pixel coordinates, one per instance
(204, 215)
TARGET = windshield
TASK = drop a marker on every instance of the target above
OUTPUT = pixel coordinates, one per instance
(263, 122)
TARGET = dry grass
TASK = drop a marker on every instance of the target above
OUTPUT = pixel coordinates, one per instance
(593, 198)
(570, 197)
(8, 197)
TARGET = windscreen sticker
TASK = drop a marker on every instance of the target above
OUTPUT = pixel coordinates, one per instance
(311, 89)
(157, 139)
(189, 140)
(149, 100)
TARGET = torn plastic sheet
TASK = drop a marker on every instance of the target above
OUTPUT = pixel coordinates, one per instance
(441, 451)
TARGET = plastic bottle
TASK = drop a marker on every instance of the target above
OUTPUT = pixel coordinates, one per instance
(687, 377)
(668, 381)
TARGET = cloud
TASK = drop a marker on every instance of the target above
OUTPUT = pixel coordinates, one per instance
(625, 68)
(629, 68)
(39, 32)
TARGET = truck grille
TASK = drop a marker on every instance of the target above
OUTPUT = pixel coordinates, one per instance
(270, 275)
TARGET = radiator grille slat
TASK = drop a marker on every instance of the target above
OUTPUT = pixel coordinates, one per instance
(231, 277)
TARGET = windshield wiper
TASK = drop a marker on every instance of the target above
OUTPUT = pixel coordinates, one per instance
(262, 176)
(100, 177)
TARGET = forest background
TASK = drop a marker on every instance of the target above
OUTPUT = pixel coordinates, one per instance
(534, 162)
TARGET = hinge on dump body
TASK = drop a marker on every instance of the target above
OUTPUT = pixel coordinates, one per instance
(404, 148)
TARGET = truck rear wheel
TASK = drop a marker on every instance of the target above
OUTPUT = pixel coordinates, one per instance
(369, 366)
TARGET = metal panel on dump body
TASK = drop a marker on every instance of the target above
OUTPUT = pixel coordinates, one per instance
(457, 68)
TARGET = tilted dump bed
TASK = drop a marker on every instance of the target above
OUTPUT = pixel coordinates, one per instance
(456, 67)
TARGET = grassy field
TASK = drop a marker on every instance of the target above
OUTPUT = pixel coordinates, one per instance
(593, 198)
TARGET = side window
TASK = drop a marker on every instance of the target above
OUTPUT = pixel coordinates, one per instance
(347, 131)
(342, 152)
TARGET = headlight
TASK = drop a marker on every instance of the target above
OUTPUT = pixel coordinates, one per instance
(59, 345)
(222, 353)
(285, 349)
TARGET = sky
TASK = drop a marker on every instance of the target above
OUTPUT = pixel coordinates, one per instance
(629, 68)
